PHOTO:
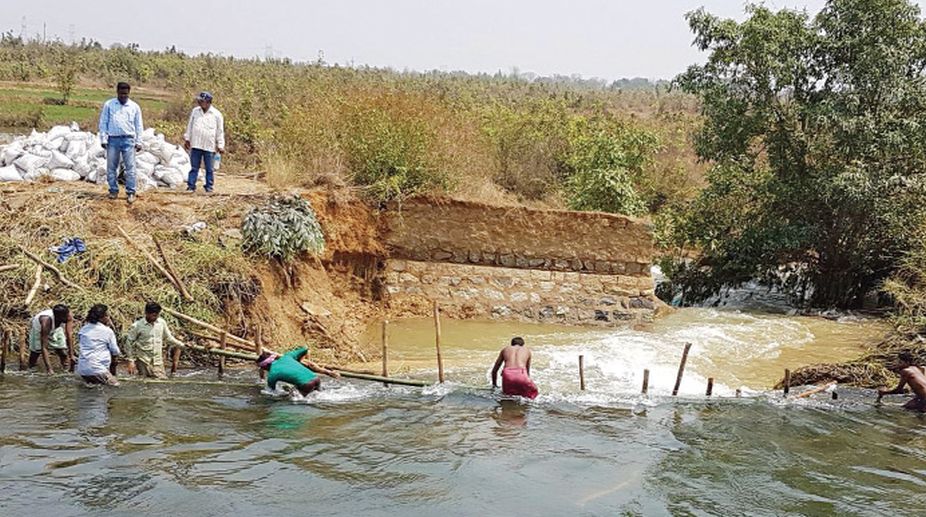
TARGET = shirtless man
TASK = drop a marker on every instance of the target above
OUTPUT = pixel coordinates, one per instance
(912, 375)
(516, 378)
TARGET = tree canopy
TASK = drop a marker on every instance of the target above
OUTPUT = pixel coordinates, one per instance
(815, 129)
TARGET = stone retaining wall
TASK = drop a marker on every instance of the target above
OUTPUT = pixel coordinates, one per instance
(511, 293)
(446, 230)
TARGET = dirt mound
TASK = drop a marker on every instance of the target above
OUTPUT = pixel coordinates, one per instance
(325, 301)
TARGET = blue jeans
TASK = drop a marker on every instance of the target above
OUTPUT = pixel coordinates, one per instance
(198, 156)
(120, 147)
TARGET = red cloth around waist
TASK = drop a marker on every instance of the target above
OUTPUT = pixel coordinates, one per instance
(515, 381)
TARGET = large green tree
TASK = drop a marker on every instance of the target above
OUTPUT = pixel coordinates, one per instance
(816, 131)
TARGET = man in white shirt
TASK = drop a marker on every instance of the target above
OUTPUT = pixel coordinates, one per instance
(204, 136)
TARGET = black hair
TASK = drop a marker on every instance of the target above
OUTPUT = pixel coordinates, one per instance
(262, 356)
(518, 341)
(61, 312)
(906, 357)
(152, 308)
(123, 86)
(97, 313)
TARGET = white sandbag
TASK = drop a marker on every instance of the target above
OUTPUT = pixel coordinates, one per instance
(148, 134)
(36, 174)
(11, 153)
(76, 149)
(77, 135)
(74, 126)
(146, 157)
(57, 132)
(82, 166)
(64, 145)
(28, 163)
(169, 176)
(95, 149)
(10, 173)
(59, 161)
(144, 167)
(64, 175)
(53, 144)
(164, 151)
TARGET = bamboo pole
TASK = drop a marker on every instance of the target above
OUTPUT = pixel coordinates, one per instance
(23, 346)
(57, 272)
(440, 360)
(261, 373)
(174, 360)
(385, 341)
(814, 391)
(8, 267)
(582, 372)
(4, 346)
(217, 330)
(170, 269)
(645, 381)
(35, 286)
(156, 264)
(787, 381)
(681, 369)
(231, 344)
(222, 346)
(710, 386)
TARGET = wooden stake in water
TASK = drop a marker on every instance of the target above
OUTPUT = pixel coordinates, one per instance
(4, 345)
(261, 373)
(787, 381)
(681, 369)
(175, 360)
(739, 393)
(582, 372)
(440, 360)
(710, 386)
(223, 343)
(23, 346)
(645, 381)
(385, 351)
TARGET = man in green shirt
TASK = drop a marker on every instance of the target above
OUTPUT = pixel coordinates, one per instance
(145, 343)
(288, 368)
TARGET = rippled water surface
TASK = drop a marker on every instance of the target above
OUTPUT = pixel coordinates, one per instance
(362, 449)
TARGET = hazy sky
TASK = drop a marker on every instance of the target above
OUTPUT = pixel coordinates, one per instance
(594, 38)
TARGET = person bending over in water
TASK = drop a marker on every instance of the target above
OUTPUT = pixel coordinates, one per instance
(516, 378)
(98, 348)
(289, 369)
(912, 375)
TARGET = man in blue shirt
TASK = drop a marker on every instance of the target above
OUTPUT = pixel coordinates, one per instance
(120, 129)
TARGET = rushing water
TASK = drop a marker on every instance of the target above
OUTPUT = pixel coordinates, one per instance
(363, 449)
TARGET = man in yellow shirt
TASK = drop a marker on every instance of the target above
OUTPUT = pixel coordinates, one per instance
(145, 343)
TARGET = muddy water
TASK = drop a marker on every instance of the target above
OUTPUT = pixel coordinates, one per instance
(747, 350)
(362, 449)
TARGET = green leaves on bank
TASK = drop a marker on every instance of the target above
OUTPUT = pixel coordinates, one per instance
(282, 229)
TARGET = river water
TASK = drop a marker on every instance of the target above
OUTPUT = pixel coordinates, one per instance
(363, 449)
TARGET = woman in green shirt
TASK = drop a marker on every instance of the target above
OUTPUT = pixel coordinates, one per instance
(289, 369)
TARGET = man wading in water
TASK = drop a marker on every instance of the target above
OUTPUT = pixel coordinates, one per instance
(912, 375)
(288, 368)
(516, 378)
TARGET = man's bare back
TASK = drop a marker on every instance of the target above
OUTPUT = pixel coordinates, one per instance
(915, 377)
(516, 358)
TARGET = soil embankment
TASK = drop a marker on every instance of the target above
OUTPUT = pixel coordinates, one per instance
(327, 300)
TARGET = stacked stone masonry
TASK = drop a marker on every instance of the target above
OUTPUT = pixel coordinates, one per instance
(511, 293)
(518, 263)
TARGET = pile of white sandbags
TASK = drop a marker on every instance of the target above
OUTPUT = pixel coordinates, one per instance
(65, 153)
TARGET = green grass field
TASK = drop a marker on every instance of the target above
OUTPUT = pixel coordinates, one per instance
(22, 106)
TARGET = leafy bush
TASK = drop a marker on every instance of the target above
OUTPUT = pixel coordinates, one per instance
(282, 228)
(605, 160)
